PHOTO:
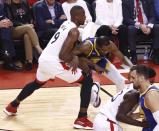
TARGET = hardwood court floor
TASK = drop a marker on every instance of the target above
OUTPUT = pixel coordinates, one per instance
(49, 109)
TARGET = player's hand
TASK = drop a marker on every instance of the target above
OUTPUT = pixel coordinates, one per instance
(83, 65)
(143, 28)
(145, 124)
(135, 115)
(74, 64)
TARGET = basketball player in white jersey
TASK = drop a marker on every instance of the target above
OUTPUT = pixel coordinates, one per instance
(117, 109)
(57, 60)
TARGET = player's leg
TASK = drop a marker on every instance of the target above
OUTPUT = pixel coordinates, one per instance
(85, 94)
(114, 75)
(29, 88)
(86, 85)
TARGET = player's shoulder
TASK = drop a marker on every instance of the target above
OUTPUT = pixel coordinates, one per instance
(152, 93)
(132, 94)
(74, 31)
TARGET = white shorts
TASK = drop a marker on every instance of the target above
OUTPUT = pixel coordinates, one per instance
(101, 123)
(50, 70)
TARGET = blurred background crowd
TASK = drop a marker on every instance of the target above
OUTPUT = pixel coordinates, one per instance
(26, 26)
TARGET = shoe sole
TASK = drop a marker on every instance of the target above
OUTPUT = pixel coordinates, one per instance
(75, 126)
(8, 113)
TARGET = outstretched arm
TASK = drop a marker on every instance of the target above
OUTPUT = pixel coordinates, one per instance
(119, 54)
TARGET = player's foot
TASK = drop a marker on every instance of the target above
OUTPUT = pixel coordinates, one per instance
(10, 110)
(95, 98)
(83, 123)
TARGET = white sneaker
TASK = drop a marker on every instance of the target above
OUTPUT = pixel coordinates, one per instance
(95, 98)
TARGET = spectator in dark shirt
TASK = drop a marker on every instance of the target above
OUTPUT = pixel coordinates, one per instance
(7, 50)
(19, 13)
(139, 16)
(49, 15)
(156, 4)
(61, 1)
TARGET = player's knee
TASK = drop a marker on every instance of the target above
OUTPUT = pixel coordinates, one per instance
(36, 84)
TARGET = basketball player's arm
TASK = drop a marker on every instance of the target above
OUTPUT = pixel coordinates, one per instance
(66, 51)
(118, 53)
(151, 102)
(82, 51)
(129, 102)
(87, 65)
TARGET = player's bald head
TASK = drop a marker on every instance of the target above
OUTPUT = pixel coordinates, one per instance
(78, 15)
(76, 10)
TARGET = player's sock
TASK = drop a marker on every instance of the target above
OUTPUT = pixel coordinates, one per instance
(81, 114)
(85, 94)
(27, 91)
(15, 103)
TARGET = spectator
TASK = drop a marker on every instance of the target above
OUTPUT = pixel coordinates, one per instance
(7, 49)
(156, 4)
(109, 17)
(1, 2)
(31, 2)
(139, 17)
(49, 16)
(5, 1)
(61, 1)
(19, 12)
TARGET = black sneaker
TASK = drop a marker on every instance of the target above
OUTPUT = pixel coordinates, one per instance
(28, 66)
(12, 67)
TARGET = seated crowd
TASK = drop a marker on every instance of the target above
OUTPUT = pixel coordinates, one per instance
(34, 22)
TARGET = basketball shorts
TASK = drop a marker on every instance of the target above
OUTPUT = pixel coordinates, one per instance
(50, 70)
(102, 123)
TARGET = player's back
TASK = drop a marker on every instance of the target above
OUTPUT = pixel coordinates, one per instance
(52, 50)
(111, 107)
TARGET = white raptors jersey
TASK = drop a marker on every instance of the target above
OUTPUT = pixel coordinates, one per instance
(52, 50)
(111, 107)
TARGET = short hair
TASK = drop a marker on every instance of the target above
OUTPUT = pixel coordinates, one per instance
(102, 41)
(74, 10)
(146, 71)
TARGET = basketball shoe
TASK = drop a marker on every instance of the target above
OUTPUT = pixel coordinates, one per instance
(10, 110)
(83, 123)
(95, 98)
